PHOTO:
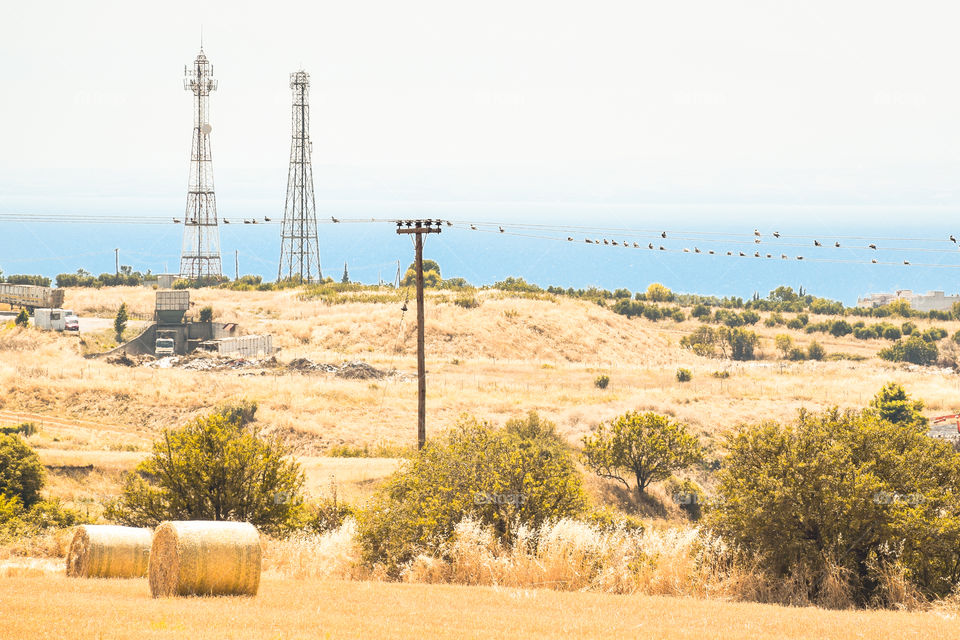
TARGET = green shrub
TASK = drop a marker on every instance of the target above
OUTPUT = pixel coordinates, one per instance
(913, 349)
(684, 375)
(643, 447)
(206, 314)
(521, 474)
(22, 319)
(601, 381)
(213, 469)
(796, 354)
(21, 474)
(700, 311)
(907, 328)
(722, 375)
(688, 495)
(678, 316)
(120, 321)
(847, 494)
(25, 429)
(893, 333)
(467, 301)
(741, 343)
(934, 334)
(839, 328)
(702, 341)
(815, 351)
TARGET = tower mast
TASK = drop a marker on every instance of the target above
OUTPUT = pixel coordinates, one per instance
(200, 253)
(299, 248)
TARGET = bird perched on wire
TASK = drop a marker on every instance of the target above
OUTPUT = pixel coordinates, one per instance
(783, 256)
(872, 246)
(334, 219)
(474, 227)
(246, 221)
(799, 257)
(769, 256)
(757, 241)
(225, 221)
(695, 250)
(266, 219)
(650, 246)
(662, 248)
(588, 240)
(906, 262)
(710, 252)
(816, 243)
(685, 250)
(501, 229)
(729, 253)
(449, 224)
(614, 243)
(663, 234)
(756, 254)
(836, 244)
(776, 234)
(636, 246)
(742, 254)
(605, 241)
(175, 221)
(756, 232)
(569, 239)
(874, 261)
(953, 240)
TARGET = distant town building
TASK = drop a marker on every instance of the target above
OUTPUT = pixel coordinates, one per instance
(930, 301)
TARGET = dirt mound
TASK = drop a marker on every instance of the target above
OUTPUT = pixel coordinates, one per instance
(359, 370)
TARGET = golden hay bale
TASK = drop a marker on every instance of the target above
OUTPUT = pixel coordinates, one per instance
(205, 558)
(107, 551)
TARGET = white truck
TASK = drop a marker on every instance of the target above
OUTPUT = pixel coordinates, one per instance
(56, 320)
(166, 344)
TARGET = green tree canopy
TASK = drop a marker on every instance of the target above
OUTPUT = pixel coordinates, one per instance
(520, 474)
(213, 469)
(21, 474)
(120, 322)
(647, 446)
(848, 492)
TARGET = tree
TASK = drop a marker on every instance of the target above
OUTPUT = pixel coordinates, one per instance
(206, 314)
(120, 322)
(431, 274)
(21, 474)
(214, 468)
(23, 318)
(656, 292)
(913, 349)
(784, 344)
(647, 446)
(847, 494)
(740, 341)
(815, 351)
(521, 474)
(702, 341)
(894, 405)
(346, 276)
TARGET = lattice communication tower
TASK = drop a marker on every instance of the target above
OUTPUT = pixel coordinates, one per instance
(299, 248)
(200, 255)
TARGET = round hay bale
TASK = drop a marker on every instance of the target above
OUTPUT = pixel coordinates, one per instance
(205, 558)
(108, 551)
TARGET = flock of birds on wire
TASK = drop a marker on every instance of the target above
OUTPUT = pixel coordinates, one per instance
(610, 237)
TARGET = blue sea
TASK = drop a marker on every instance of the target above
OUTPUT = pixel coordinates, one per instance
(543, 255)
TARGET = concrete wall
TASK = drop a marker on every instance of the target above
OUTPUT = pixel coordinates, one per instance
(242, 346)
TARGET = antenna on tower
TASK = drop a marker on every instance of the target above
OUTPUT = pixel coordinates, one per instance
(200, 255)
(299, 247)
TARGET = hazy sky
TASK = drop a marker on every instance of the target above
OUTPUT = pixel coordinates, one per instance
(823, 103)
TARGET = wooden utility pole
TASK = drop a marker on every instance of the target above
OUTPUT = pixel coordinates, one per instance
(236, 264)
(418, 228)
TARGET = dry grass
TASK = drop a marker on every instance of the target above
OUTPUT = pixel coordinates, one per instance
(506, 357)
(56, 607)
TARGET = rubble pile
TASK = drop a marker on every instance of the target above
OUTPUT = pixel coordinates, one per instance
(355, 370)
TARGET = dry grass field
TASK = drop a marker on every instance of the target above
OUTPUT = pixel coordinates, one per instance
(59, 607)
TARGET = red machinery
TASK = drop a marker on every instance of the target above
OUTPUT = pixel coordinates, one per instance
(952, 417)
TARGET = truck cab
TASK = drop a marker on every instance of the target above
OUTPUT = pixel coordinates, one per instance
(70, 321)
(166, 344)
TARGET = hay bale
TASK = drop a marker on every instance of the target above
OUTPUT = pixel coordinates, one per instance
(205, 558)
(107, 551)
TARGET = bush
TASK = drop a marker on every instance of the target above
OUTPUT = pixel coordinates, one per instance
(644, 447)
(24, 428)
(21, 474)
(521, 474)
(934, 334)
(843, 496)
(656, 292)
(678, 316)
(749, 317)
(907, 328)
(702, 341)
(892, 333)
(684, 375)
(23, 318)
(913, 349)
(206, 314)
(784, 343)
(840, 328)
(467, 301)
(741, 343)
(650, 312)
(688, 495)
(700, 311)
(213, 469)
(601, 381)
(815, 351)
(796, 354)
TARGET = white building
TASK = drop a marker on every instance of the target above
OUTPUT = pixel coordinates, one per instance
(930, 301)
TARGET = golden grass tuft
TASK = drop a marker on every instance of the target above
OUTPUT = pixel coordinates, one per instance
(109, 551)
(205, 558)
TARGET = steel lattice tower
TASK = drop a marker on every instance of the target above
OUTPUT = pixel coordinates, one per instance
(299, 248)
(200, 256)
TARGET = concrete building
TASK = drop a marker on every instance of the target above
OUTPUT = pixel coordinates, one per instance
(930, 301)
